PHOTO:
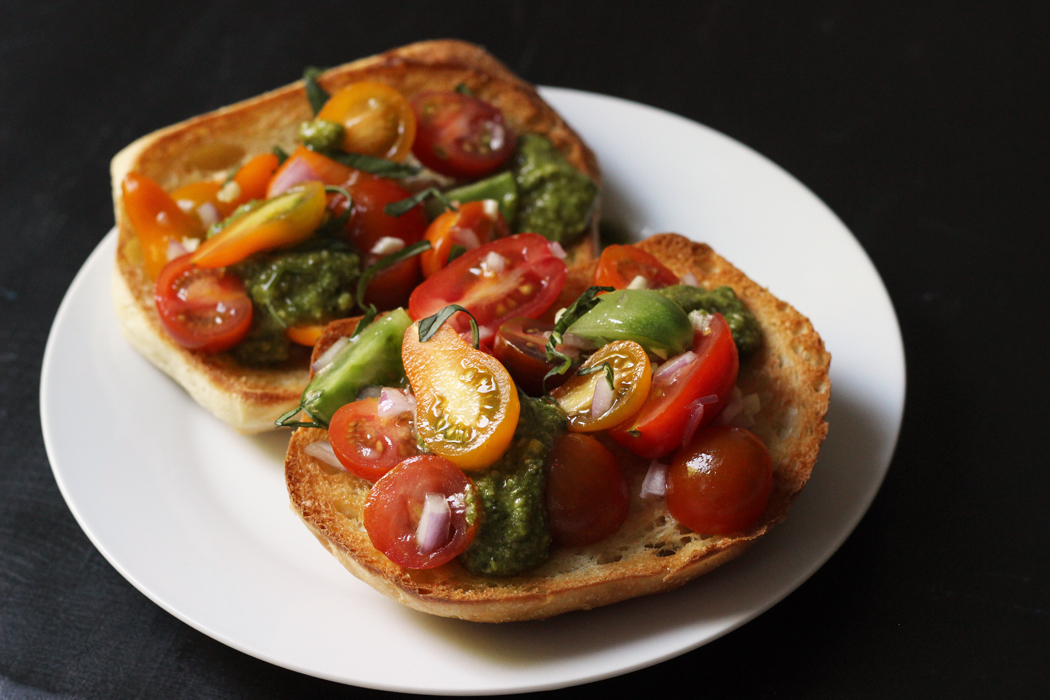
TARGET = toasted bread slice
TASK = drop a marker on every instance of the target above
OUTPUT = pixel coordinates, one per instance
(651, 552)
(250, 399)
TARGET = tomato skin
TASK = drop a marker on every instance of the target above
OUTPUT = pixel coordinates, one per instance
(202, 309)
(327, 171)
(527, 286)
(587, 494)
(632, 377)
(460, 135)
(368, 223)
(394, 504)
(253, 177)
(620, 264)
(658, 429)
(378, 121)
(720, 483)
(520, 345)
(471, 227)
(369, 446)
(157, 220)
(192, 196)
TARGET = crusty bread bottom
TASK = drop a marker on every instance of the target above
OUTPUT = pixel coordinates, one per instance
(651, 552)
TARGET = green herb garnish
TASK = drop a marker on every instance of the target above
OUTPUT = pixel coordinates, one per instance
(584, 303)
(282, 155)
(430, 325)
(371, 164)
(403, 206)
(385, 262)
(455, 251)
(315, 94)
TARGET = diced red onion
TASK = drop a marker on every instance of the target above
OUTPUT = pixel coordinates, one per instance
(603, 397)
(491, 208)
(175, 249)
(690, 279)
(731, 411)
(229, 193)
(297, 172)
(576, 342)
(673, 366)
(557, 251)
(432, 531)
(322, 450)
(467, 238)
(655, 481)
(208, 214)
(328, 355)
(494, 263)
(696, 414)
(393, 403)
(639, 282)
(387, 245)
(701, 321)
(371, 391)
(485, 334)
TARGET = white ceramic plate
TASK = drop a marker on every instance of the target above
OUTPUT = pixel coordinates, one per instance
(196, 517)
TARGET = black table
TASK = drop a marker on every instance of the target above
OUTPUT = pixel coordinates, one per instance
(922, 125)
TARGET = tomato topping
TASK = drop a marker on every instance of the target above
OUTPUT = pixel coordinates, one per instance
(202, 309)
(619, 265)
(283, 221)
(676, 397)
(367, 445)
(157, 220)
(460, 135)
(377, 120)
(304, 335)
(720, 483)
(514, 276)
(467, 404)
(304, 165)
(521, 347)
(587, 399)
(475, 224)
(368, 224)
(253, 178)
(587, 496)
(396, 502)
(195, 197)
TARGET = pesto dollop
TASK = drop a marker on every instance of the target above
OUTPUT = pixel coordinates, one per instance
(555, 199)
(306, 285)
(743, 324)
(321, 135)
(514, 535)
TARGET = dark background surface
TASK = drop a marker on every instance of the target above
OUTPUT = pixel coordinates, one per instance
(922, 125)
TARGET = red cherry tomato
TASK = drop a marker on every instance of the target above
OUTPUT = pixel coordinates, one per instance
(620, 264)
(587, 496)
(460, 135)
(520, 346)
(367, 445)
(396, 502)
(368, 223)
(659, 428)
(720, 483)
(202, 309)
(474, 224)
(514, 276)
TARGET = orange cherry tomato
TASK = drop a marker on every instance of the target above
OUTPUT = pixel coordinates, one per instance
(396, 502)
(157, 220)
(192, 197)
(632, 376)
(369, 446)
(720, 483)
(619, 265)
(473, 225)
(587, 495)
(467, 404)
(659, 428)
(368, 223)
(304, 335)
(292, 172)
(204, 310)
(282, 221)
(377, 119)
(253, 177)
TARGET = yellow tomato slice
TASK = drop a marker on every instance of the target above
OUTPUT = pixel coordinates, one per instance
(282, 221)
(157, 220)
(377, 119)
(467, 404)
(632, 377)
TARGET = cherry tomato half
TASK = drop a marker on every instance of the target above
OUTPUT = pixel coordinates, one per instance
(659, 428)
(368, 223)
(460, 135)
(253, 177)
(202, 309)
(474, 224)
(377, 120)
(194, 197)
(632, 376)
(367, 445)
(619, 265)
(304, 165)
(157, 220)
(587, 496)
(396, 502)
(521, 278)
(720, 482)
(521, 346)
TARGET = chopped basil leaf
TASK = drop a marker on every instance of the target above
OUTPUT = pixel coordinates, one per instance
(315, 94)
(609, 376)
(385, 262)
(430, 325)
(370, 164)
(366, 320)
(584, 303)
(282, 155)
(403, 206)
(462, 89)
(455, 251)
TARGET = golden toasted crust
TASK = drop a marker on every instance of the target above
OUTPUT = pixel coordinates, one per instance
(651, 552)
(209, 145)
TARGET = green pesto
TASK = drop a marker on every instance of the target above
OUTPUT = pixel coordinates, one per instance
(746, 333)
(306, 285)
(321, 135)
(514, 535)
(554, 199)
